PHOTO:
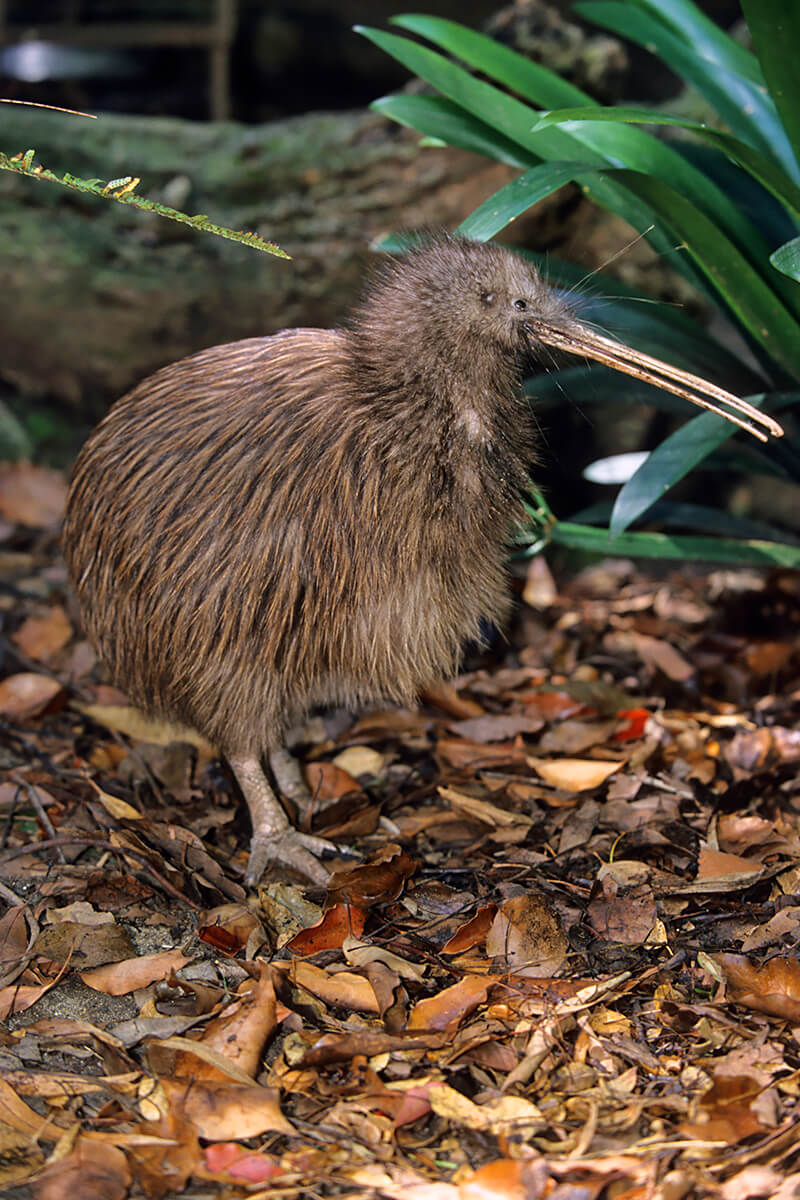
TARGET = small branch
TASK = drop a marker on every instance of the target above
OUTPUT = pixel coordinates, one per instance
(124, 191)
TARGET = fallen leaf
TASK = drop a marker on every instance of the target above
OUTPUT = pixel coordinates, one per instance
(472, 933)
(27, 694)
(224, 1111)
(238, 1162)
(574, 774)
(92, 1171)
(119, 978)
(34, 496)
(451, 1005)
(336, 924)
(43, 636)
(496, 727)
(342, 988)
(359, 760)
(526, 934)
(772, 988)
(327, 781)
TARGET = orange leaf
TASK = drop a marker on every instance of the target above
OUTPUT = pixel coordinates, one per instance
(452, 1004)
(337, 923)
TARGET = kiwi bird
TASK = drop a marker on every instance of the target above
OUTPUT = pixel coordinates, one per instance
(322, 516)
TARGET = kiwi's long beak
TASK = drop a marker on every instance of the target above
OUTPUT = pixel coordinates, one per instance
(579, 339)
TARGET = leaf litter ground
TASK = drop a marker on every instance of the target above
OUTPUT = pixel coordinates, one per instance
(557, 957)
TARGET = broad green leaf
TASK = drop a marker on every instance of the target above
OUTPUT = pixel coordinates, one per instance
(495, 60)
(517, 197)
(758, 165)
(437, 117)
(630, 147)
(745, 292)
(787, 258)
(687, 21)
(514, 120)
(691, 516)
(775, 29)
(744, 105)
(669, 462)
(665, 546)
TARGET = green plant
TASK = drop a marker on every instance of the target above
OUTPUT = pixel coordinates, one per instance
(728, 196)
(124, 191)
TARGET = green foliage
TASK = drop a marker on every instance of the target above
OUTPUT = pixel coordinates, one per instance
(124, 191)
(727, 196)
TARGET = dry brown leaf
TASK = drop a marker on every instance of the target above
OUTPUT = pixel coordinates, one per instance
(496, 727)
(526, 934)
(445, 697)
(459, 752)
(342, 988)
(13, 935)
(359, 760)
(451, 1005)
(30, 495)
(42, 637)
(506, 1179)
(623, 913)
(376, 882)
(715, 864)
(573, 774)
(92, 1171)
(500, 1115)
(117, 979)
(17, 1115)
(772, 988)
(240, 1032)
(725, 1113)
(765, 658)
(20, 1158)
(83, 946)
(15, 999)
(336, 924)
(472, 933)
(482, 810)
(229, 927)
(236, 1162)
(327, 781)
(27, 694)
(221, 1111)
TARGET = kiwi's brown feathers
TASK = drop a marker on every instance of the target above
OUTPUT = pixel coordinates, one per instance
(317, 517)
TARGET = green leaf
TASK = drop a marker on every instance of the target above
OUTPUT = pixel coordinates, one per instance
(691, 516)
(758, 165)
(631, 148)
(674, 458)
(665, 546)
(437, 117)
(688, 22)
(787, 258)
(517, 197)
(775, 29)
(744, 290)
(744, 105)
(495, 60)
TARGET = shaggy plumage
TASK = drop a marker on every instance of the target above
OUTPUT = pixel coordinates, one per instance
(317, 517)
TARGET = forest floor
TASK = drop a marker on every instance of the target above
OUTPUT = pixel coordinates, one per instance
(557, 958)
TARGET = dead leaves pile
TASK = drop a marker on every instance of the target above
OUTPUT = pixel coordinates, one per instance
(557, 958)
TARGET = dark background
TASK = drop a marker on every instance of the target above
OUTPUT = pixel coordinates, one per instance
(284, 58)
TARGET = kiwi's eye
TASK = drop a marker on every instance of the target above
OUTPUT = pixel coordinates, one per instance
(488, 297)
(520, 305)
